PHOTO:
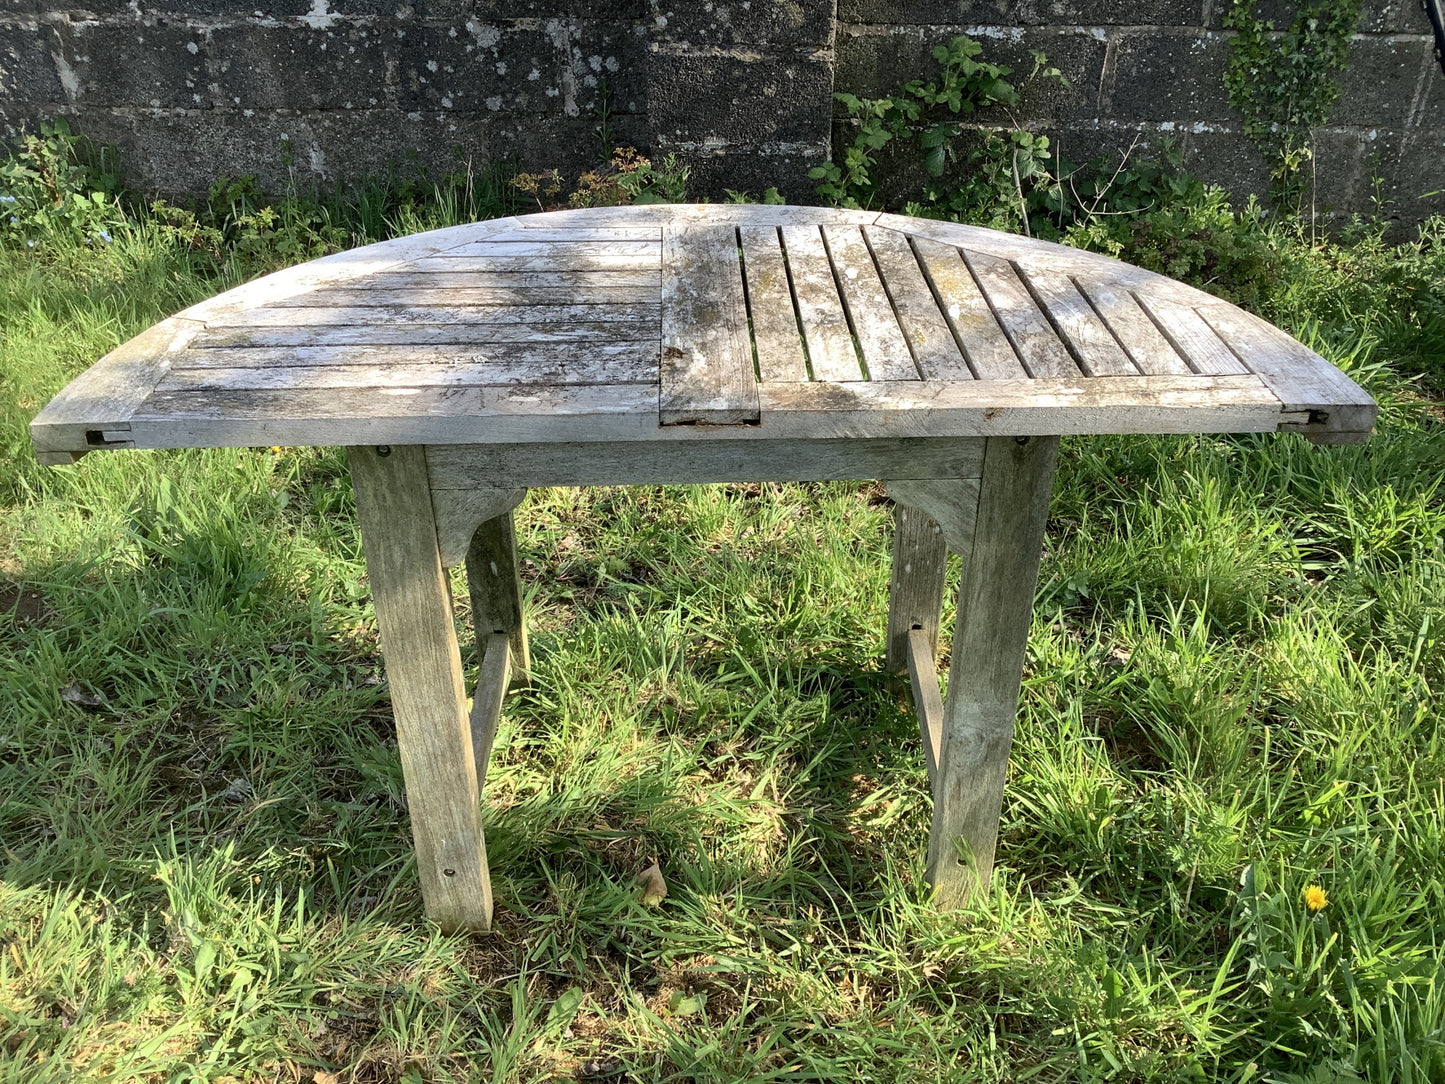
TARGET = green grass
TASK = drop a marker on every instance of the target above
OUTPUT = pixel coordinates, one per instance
(1230, 695)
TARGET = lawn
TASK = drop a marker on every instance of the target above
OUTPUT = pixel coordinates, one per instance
(1230, 696)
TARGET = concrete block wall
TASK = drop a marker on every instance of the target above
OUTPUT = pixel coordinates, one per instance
(741, 89)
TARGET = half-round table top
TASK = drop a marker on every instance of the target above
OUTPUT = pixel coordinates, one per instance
(699, 321)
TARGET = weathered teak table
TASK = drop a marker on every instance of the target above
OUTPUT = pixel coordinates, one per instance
(699, 344)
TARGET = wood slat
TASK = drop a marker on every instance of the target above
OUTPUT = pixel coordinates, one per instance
(502, 259)
(776, 336)
(524, 232)
(1141, 404)
(1028, 329)
(1301, 379)
(411, 279)
(570, 254)
(1205, 351)
(989, 352)
(1088, 337)
(516, 355)
(649, 313)
(831, 355)
(1145, 343)
(884, 347)
(934, 348)
(622, 368)
(707, 360)
(433, 296)
(423, 335)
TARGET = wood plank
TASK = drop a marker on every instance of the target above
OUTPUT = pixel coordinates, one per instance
(1195, 340)
(927, 701)
(649, 313)
(831, 355)
(340, 267)
(934, 348)
(915, 591)
(776, 335)
(516, 260)
(526, 232)
(492, 681)
(880, 338)
(1142, 404)
(495, 586)
(427, 335)
(627, 412)
(707, 360)
(977, 333)
(95, 408)
(406, 366)
(1088, 338)
(1303, 381)
(462, 466)
(424, 676)
(413, 278)
(1013, 306)
(569, 255)
(434, 296)
(1144, 342)
(995, 607)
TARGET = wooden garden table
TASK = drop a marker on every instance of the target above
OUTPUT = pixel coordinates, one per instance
(699, 344)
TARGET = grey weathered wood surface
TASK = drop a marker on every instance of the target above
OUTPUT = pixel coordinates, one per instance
(995, 605)
(492, 679)
(757, 319)
(495, 586)
(463, 467)
(926, 698)
(424, 676)
(691, 344)
(707, 362)
(915, 591)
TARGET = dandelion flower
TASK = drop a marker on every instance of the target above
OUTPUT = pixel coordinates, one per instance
(1315, 898)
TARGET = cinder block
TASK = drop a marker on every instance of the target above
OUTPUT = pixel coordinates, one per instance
(754, 168)
(778, 97)
(1432, 103)
(27, 70)
(874, 65)
(1377, 88)
(497, 68)
(1376, 16)
(1173, 75)
(1228, 159)
(742, 22)
(1417, 183)
(256, 67)
(1024, 13)
(157, 67)
(604, 10)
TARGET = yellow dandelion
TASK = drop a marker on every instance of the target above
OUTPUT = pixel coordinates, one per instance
(1315, 898)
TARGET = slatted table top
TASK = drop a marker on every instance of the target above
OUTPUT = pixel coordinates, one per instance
(707, 322)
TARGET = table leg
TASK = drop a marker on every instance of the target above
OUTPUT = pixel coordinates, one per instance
(1000, 538)
(496, 588)
(424, 671)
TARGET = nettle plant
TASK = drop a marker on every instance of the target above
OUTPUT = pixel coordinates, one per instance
(993, 174)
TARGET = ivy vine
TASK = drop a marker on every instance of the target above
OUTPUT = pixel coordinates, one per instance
(1284, 83)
